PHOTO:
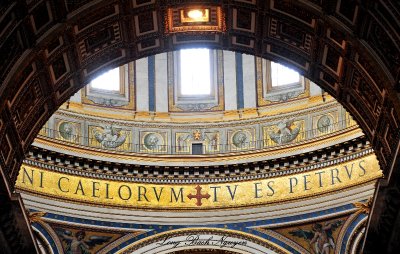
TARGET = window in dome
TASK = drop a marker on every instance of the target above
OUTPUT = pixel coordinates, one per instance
(195, 72)
(109, 81)
(278, 83)
(283, 76)
(195, 80)
(114, 88)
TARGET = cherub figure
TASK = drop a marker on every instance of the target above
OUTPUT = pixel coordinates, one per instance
(320, 237)
(322, 242)
(76, 244)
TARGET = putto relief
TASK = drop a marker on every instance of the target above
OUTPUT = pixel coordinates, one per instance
(109, 136)
(284, 131)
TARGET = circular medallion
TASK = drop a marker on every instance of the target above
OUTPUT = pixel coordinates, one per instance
(240, 138)
(153, 141)
(67, 130)
(324, 123)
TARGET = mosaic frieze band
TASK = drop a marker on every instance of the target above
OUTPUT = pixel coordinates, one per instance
(223, 137)
(206, 195)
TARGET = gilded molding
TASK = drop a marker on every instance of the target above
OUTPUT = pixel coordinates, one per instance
(253, 173)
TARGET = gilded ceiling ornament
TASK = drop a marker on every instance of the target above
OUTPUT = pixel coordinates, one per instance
(364, 207)
(197, 135)
(36, 216)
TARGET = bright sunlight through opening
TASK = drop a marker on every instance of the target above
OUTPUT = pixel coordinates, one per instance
(107, 81)
(195, 71)
(282, 75)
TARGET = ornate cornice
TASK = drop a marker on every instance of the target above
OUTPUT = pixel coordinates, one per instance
(271, 115)
(63, 163)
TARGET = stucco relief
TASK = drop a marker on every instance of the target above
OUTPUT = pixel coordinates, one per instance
(153, 141)
(324, 123)
(328, 122)
(109, 136)
(283, 132)
(211, 140)
(68, 131)
(242, 139)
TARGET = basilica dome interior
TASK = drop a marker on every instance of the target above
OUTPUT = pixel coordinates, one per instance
(238, 126)
(154, 149)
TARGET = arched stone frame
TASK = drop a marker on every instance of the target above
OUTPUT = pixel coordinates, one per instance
(185, 239)
(351, 238)
(350, 49)
(48, 235)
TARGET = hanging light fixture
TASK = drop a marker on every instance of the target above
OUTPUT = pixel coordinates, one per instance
(195, 18)
(195, 14)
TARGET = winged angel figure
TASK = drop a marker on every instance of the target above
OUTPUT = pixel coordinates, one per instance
(285, 133)
(320, 237)
(110, 137)
(77, 244)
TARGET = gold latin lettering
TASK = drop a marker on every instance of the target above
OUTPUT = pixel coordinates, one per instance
(79, 187)
(230, 192)
(30, 178)
(95, 188)
(291, 183)
(362, 168)
(335, 176)
(215, 188)
(59, 184)
(158, 195)
(140, 194)
(270, 184)
(129, 192)
(306, 181)
(320, 177)
(256, 190)
(180, 194)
